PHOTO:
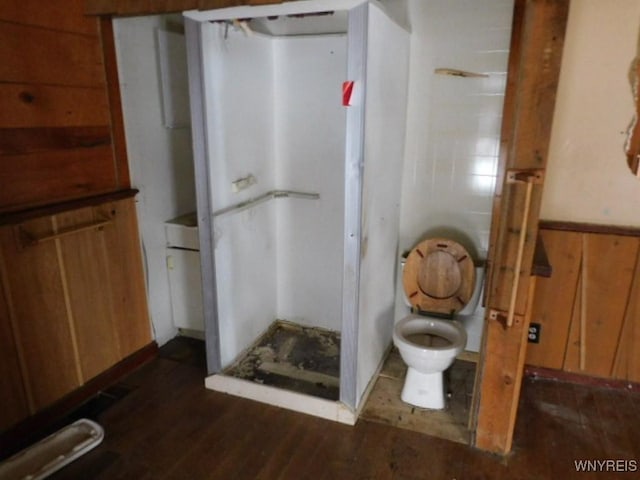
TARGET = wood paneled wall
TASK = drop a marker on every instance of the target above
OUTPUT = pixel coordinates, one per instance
(56, 84)
(72, 303)
(589, 309)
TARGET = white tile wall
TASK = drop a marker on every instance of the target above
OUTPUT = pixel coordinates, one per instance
(454, 124)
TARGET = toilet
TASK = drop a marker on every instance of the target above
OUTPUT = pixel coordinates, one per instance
(440, 284)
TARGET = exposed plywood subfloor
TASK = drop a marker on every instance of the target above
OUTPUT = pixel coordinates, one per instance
(385, 406)
(296, 358)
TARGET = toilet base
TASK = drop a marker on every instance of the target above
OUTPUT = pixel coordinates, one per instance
(424, 390)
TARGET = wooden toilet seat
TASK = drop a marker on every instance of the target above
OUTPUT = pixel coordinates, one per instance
(439, 276)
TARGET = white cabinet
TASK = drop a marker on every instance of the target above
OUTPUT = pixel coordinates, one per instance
(183, 265)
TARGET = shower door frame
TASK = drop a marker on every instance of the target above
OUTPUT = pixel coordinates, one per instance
(354, 165)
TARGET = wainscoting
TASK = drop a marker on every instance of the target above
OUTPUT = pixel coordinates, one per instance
(589, 309)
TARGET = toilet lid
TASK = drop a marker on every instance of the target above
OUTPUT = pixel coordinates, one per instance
(439, 276)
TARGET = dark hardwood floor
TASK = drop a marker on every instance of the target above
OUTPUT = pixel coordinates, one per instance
(168, 426)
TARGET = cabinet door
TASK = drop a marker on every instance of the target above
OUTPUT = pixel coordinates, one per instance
(36, 298)
(73, 299)
(105, 284)
(186, 288)
(88, 285)
(126, 277)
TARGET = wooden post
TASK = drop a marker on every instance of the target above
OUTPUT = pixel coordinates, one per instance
(534, 67)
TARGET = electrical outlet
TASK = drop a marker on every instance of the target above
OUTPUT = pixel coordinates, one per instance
(534, 333)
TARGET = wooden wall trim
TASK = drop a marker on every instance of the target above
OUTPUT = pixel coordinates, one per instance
(31, 213)
(137, 7)
(121, 162)
(627, 231)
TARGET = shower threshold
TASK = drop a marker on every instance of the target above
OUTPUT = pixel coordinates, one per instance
(290, 366)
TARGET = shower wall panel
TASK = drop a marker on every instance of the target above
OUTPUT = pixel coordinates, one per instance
(240, 143)
(387, 70)
(241, 99)
(310, 138)
(246, 277)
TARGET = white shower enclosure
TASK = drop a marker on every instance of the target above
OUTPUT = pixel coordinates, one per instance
(298, 185)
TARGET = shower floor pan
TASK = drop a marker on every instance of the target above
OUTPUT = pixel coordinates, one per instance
(301, 359)
(290, 366)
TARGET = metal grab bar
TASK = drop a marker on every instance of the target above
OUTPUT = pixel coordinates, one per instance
(28, 239)
(252, 202)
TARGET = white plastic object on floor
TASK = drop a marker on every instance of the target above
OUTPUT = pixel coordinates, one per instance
(53, 452)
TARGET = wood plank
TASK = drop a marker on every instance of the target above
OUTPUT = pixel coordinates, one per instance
(538, 72)
(610, 269)
(34, 179)
(62, 58)
(28, 105)
(167, 409)
(628, 230)
(149, 7)
(507, 136)
(47, 14)
(43, 337)
(213, 4)
(11, 218)
(121, 246)
(264, 2)
(502, 378)
(371, 457)
(14, 398)
(551, 310)
(280, 454)
(15, 141)
(291, 371)
(231, 430)
(571, 353)
(89, 292)
(532, 83)
(627, 358)
(138, 7)
(115, 104)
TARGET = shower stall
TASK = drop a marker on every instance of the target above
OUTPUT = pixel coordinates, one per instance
(298, 118)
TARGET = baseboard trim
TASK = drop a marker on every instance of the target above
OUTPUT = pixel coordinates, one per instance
(297, 402)
(628, 231)
(580, 379)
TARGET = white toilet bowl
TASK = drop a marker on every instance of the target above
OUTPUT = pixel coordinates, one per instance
(428, 346)
(439, 278)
